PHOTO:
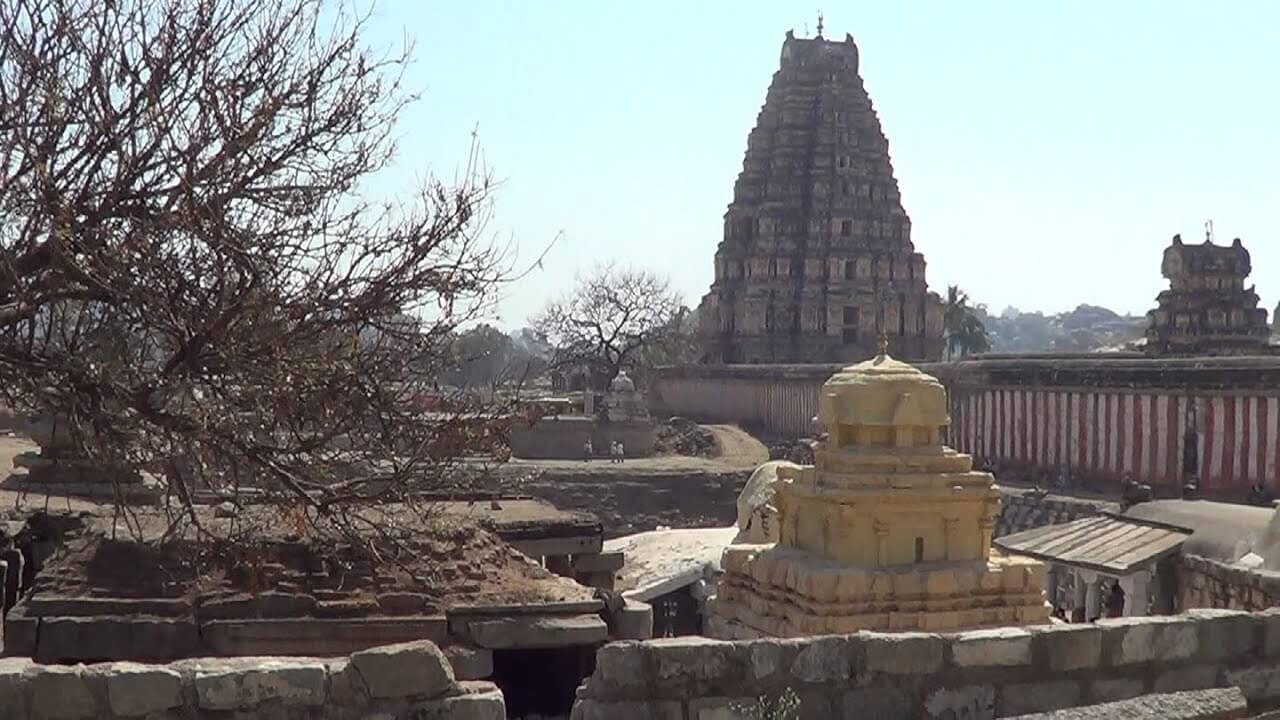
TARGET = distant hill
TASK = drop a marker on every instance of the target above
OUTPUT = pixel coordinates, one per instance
(1088, 328)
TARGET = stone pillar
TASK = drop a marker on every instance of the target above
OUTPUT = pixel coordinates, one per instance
(1092, 596)
(1136, 593)
(1078, 597)
(13, 579)
(1051, 586)
(881, 529)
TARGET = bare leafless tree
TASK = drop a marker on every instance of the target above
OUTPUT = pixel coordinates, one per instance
(191, 274)
(611, 319)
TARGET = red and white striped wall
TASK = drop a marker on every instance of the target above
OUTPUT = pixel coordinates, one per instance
(1111, 434)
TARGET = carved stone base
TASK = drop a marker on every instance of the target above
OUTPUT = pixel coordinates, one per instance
(783, 592)
(78, 477)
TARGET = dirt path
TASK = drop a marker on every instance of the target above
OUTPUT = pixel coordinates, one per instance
(737, 447)
(738, 451)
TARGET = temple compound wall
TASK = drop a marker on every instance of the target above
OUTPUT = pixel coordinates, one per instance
(1096, 419)
(411, 680)
(978, 674)
(1208, 583)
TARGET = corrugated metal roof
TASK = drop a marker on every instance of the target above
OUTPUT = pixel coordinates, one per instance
(1107, 543)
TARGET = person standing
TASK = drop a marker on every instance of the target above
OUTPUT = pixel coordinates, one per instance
(587, 450)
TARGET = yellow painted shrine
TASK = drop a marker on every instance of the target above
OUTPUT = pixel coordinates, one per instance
(889, 530)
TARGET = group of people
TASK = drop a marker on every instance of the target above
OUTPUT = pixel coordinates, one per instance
(617, 452)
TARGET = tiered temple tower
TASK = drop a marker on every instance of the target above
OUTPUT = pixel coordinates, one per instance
(816, 261)
(888, 530)
(1207, 310)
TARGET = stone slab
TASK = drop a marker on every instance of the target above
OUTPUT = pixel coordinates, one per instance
(547, 631)
(995, 647)
(59, 692)
(1217, 704)
(469, 663)
(135, 690)
(318, 637)
(404, 670)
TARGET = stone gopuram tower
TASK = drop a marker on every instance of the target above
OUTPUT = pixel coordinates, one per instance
(1207, 309)
(816, 261)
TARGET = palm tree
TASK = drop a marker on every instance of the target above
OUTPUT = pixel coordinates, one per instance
(964, 330)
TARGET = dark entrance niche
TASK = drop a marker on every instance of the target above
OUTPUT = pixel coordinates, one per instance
(676, 614)
(542, 682)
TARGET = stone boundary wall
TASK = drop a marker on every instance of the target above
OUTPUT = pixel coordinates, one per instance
(1022, 509)
(1207, 583)
(1101, 416)
(410, 680)
(979, 674)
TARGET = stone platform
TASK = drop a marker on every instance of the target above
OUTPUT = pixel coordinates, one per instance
(769, 590)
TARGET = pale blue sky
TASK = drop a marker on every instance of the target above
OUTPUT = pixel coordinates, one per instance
(1047, 150)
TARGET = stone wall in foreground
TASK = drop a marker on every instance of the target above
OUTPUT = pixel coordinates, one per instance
(980, 674)
(411, 680)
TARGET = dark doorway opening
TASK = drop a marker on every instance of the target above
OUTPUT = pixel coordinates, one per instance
(541, 682)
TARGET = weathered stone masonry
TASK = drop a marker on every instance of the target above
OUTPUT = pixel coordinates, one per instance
(411, 680)
(980, 674)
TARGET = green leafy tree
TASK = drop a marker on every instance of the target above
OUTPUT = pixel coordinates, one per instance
(964, 330)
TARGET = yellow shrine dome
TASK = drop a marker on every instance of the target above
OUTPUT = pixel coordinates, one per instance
(882, 392)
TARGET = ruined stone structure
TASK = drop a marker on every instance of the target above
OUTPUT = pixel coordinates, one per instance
(888, 530)
(816, 260)
(1207, 310)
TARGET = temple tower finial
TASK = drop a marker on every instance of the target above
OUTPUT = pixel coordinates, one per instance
(820, 26)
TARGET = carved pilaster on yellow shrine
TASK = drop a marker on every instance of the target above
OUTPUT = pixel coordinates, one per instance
(888, 530)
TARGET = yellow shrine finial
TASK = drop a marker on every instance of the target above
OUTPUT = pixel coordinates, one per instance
(884, 344)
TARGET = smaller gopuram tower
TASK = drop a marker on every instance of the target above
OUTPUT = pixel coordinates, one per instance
(1207, 310)
(889, 530)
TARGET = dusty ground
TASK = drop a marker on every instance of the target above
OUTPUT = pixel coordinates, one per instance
(738, 451)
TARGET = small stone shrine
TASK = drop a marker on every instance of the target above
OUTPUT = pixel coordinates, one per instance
(61, 468)
(889, 530)
(623, 402)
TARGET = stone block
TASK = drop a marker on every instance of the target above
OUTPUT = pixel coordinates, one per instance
(973, 701)
(1226, 634)
(826, 659)
(483, 702)
(533, 631)
(59, 692)
(71, 639)
(1113, 689)
(770, 660)
(1148, 639)
(1023, 698)
(1261, 684)
(161, 639)
(598, 562)
(620, 667)
(595, 710)
(346, 687)
(20, 633)
(1189, 677)
(408, 669)
(903, 653)
(469, 663)
(1270, 620)
(275, 604)
(696, 664)
(135, 690)
(995, 647)
(235, 683)
(13, 684)
(1217, 704)
(721, 708)
(876, 704)
(633, 622)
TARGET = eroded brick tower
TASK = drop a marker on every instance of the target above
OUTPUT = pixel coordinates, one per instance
(816, 259)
